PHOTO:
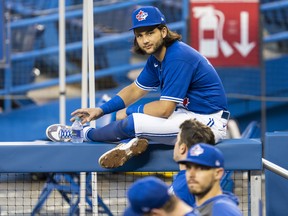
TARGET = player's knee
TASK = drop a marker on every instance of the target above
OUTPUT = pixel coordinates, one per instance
(127, 125)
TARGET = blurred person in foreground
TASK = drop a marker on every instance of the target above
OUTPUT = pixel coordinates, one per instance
(204, 169)
(150, 196)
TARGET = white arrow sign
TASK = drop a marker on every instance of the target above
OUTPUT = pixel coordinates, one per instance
(244, 47)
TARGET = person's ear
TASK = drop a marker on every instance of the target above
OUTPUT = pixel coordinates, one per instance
(164, 32)
(219, 172)
(183, 148)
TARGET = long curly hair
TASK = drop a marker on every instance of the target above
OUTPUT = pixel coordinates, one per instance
(168, 40)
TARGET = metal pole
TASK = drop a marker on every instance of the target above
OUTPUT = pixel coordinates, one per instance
(62, 62)
(275, 168)
(84, 86)
(256, 192)
(92, 101)
(84, 96)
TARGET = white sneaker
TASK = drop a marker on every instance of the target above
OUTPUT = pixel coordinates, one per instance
(59, 133)
(119, 155)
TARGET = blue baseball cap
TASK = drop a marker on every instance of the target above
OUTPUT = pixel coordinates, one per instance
(147, 16)
(146, 194)
(204, 154)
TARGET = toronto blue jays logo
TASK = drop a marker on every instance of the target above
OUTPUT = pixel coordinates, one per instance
(196, 150)
(141, 15)
(186, 102)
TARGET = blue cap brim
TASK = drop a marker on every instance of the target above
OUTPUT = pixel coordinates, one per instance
(129, 212)
(141, 25)
(199, 162)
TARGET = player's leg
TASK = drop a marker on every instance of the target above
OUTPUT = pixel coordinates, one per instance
(165, 131)
(119, 155)
(217, 122)
(160, 130)
(112, 132)
(129, 147)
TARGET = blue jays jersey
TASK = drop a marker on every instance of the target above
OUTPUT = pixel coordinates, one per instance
(221, 205)
(180, 189)
(185, 77)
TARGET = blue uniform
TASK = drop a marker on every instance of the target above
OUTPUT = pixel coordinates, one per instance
(185, 77)
(221, 205)
(180, 189)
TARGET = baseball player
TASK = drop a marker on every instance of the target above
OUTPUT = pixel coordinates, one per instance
(191, 133)
(189, 88)
(204, 169)
(150, 196)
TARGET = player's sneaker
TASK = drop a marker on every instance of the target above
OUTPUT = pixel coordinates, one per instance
(119, 155)
(59, 133)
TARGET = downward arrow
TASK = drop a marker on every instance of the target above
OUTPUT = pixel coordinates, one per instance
(244, 47)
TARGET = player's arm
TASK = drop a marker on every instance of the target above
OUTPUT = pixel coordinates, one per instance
(131, 94)
(160, 108)
(126, 96)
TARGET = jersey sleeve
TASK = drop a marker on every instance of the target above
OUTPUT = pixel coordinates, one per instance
(148, 79)
(225, 208)
(176, 80)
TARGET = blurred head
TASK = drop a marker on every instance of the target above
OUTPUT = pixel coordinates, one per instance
(191, 132)
(150, 196)
(204, 168)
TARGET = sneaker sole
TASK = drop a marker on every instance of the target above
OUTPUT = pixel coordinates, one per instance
(117, 157)
(49, 131)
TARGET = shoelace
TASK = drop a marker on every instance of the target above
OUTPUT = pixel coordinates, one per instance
(65, 133)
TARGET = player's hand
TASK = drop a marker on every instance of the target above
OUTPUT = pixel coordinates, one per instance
(121, 114)
(87, 114)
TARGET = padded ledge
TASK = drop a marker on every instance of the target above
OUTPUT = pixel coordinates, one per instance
(44, 156)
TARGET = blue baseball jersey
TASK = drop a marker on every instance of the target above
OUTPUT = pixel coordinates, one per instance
(185, 77)
(221, 205)
(180, 188)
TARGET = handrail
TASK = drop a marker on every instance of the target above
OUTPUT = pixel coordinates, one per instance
(276, 37)
(273, 5)
(78, 45)
(275, 168)
(72, 78)
(74, 13)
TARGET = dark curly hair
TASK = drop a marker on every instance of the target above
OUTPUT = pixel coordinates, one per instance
(168, 40)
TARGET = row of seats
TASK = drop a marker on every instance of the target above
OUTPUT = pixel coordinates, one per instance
(275, 19)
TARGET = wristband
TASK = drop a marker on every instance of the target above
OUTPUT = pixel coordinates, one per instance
(135, 108)
(115, 104)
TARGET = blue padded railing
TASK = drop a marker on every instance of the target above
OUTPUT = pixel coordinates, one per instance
(239, 154)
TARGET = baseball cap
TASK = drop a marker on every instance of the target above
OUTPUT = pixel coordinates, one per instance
(147, 16)
(204, 154)
(145, 194)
